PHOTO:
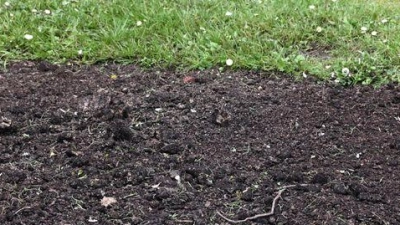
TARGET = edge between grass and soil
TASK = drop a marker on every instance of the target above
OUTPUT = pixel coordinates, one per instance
(345, 41)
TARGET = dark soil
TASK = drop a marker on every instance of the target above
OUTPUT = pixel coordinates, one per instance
(80, 147)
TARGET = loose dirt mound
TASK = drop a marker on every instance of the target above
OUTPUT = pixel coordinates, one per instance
(111, 144)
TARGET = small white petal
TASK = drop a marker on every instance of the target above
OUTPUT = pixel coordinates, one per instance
(139, 23)
(91, 220)
(28, 37)
(228, 13)
(80, 52)
(384, 21)
(229, 62)
(156, 186)
(46, 11)
(364, 29)
(34, 10)
(312, 7)
(7, 4)
(304, 75)
(319, 29)
(374, 33)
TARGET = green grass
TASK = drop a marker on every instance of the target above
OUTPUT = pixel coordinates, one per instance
(272, 35)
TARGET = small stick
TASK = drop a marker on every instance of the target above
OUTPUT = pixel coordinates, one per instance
(184, 221)
(19, 210)
(270, 213)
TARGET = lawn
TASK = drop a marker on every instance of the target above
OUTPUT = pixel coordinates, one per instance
(344, 41)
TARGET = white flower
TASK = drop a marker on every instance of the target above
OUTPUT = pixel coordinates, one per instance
(311, 7)
(11, 15)
(364, 29)
(328, 67)
(80, 52)
(346, 71)
(374, 33)
(139, 23)
(304, 75)
(28, 37)
(384, 21)
(34, 10)
(46, 11)
(319, 29)
(229, 62)
(333, 75)
(228, 13)
(7, 4)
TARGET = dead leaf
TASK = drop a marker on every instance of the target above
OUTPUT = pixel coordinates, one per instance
(106, 201)
(189, 79)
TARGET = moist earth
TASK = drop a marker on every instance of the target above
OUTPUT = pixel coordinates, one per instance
(116, 144)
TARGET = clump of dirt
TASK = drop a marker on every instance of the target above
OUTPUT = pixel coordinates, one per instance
(113, 144)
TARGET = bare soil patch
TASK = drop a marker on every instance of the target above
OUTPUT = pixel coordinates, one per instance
(79, 146)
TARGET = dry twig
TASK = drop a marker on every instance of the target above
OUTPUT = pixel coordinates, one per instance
(184, 221)
(270, 213)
